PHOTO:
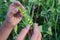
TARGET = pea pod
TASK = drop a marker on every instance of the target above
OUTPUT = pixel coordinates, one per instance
(26, 16)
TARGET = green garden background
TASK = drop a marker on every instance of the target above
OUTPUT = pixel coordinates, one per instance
(44, 12)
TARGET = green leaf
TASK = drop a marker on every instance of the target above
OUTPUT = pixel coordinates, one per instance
(49, 31)
(40, 28)
(15, 29)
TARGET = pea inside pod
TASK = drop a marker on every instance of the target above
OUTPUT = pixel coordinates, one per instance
(26, 16)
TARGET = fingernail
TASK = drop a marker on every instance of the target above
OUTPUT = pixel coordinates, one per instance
(16, 9)
(28, 26)
(35, 24)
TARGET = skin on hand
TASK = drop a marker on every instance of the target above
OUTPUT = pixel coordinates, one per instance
(36, 33)
(13, 18)
(13, 15)
(23, 33)
(35, 36)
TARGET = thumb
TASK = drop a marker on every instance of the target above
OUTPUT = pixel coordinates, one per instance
(23, 33)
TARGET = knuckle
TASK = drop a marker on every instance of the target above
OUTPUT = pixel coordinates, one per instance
(11, 5)
(36, 33)
(23, 29)
(16, 2)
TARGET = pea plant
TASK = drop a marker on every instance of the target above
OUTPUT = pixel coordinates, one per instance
(46, 13)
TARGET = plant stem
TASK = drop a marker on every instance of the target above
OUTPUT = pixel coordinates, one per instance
(55, 27)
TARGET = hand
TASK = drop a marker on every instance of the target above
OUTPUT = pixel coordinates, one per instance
(35, 36)
(36, 33)
(13, 15)
(13, 18)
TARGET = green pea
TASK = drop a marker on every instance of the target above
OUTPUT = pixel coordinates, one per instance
(22, 11)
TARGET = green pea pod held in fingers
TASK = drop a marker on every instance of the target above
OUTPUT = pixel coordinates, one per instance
(26, 16)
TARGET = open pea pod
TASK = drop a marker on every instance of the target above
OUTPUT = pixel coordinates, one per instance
(26, 16)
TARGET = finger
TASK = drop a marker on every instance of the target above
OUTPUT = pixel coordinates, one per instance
(39, 36)
(23, 33)
(17, 4)
(36, 30)
(12, 12)
(13, 7)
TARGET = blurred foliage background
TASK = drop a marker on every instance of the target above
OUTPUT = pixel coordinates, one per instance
(45, 12)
